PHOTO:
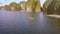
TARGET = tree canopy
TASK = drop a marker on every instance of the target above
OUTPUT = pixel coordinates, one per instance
(14, 5)
(34, 5)
(53, 7)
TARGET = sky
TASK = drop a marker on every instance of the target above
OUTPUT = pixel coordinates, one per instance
(42, 2)
(4, 2)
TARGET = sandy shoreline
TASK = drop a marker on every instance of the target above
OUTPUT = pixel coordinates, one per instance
(55, 16)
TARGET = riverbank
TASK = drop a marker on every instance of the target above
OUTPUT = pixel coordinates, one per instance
(55, 16)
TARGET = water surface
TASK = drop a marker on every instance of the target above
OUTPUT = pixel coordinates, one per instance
(16, 22)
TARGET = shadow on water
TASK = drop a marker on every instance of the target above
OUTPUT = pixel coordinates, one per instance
(27, 23)
(55, 22)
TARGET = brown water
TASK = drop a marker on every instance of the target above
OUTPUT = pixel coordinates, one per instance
(27, 23)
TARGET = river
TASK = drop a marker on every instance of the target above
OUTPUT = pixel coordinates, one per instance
(16, 22)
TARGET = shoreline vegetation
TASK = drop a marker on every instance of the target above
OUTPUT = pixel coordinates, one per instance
(50, 7)
(30, 5)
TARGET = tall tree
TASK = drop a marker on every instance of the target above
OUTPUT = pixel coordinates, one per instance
(34, 5)
(52, 7)
(14, 5)
(38, 5)
(46, 4)
(23, 5)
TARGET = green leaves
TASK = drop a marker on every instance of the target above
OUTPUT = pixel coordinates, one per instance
(53, 7)
(14, 5)
(34, 4)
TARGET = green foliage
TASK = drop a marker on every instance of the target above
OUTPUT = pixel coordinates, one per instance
(17, 7)
(38, 6)
(0, 7)
(24, 5)
(53, 7)
(14, 5)
(34, 4)
(6, 7)
(46, 4)
(57, 6)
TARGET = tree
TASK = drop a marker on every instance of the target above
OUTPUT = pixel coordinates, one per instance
(57, 6)
(52, 7)
(14, 5)
(7, 7)
(38, 5)
(34, 5)
(0, 7)
(23, 5)
(46, 4)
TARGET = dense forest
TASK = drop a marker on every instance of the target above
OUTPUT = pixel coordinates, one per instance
(49, 7)
(52, 6)
(33, 5)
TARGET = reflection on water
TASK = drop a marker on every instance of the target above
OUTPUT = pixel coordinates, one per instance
(27, 23)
